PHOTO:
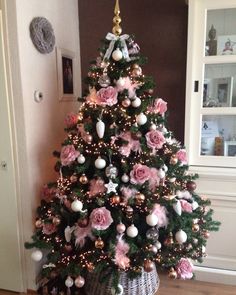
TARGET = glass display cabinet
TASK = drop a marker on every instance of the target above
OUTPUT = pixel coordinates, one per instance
(210, 132)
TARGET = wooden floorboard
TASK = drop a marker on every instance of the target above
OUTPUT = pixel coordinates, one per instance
(177, 287)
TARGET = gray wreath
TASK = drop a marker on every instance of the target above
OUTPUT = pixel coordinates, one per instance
(42, 34)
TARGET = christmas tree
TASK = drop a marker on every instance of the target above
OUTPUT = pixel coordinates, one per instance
(124, 200)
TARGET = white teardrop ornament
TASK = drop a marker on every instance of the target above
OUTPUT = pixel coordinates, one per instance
(100, 127)
(177, 207)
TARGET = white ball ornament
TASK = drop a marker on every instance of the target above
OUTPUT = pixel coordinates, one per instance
(121, 290)
(132, 231)
(165, 168)
(153, 126)
(120, 82)
(125, 178)
(120, 228)
(152, 219)
(137, 102)
(79, 282)
(158, 245)
(37, 255)
(181, 236)
(161, 173)
(141, 119)
(195, 205)
(69, 282)
(76, 206)
(100, 163)
(172, 179)
(117, 54)
(81, 159)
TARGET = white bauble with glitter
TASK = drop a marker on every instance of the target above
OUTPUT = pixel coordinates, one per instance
(100, 163)
(125, 178)
(76, 206)
(181, 236)
(37, 255)
(69, 282)
(81, 159)
(132, 231)
(117, 54)
(152, 219)
(136, 103)
(141, 119)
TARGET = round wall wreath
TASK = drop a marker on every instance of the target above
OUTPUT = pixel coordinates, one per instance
(42, 34)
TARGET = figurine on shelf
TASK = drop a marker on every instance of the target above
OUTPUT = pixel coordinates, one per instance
(211, 45)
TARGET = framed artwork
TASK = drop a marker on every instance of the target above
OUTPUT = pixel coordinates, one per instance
(226, 45)
(66, 73)
(230, 148)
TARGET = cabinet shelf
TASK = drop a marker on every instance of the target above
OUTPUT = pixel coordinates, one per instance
(218, 111)
(219, 59)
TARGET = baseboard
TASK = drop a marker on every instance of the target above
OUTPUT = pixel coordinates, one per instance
(213, 275)
(31, 292)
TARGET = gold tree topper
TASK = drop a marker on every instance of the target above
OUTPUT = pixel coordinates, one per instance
(117, 30)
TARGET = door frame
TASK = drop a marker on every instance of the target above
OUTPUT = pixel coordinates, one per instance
(14, 98)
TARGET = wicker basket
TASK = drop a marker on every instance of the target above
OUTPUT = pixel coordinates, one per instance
(146, 284)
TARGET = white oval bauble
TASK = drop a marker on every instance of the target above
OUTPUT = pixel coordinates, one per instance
(37, 255)
(100, 128)
(178, 208)
(195, 205)
(117, 54)
(141, 119)
(76, 206)
(121, 290)
(152, 219)
(132, 231)
(69, 282)
(120, 82)
(153, 126)
(137, 102)
(165, 168)
(161, 173)
(79, 282)
(158, 245)
(181, 236)
(120, 228)
(172, 179)
(81, 159)
(100, 163)
(125, 178)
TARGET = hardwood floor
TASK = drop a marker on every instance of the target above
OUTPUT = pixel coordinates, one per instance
(177, 287)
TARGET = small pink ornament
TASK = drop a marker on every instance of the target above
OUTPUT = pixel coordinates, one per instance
(120, 228)
(79, 282)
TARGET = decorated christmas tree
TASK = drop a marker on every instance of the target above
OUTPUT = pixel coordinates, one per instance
(124, 202)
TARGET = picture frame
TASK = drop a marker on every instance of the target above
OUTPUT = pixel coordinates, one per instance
(226, 45)
(230, 148)
(66, 74)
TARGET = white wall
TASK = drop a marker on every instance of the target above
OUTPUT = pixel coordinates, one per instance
(43, 121)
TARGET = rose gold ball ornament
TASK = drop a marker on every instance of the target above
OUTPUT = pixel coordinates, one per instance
(153, 249)
(83, 179)
(90, 267)
(206, 234)
(148, 265)
(173, 160)
(136, 70)
(191, 186)
(126, 102)
(169, 241)
(172, 274)
(150, 91)
(139, 198)
(89, 138)
(195, 228)
(129, 211)
(99, 244)
(56, 220)
(38, 223)
(120, 228)
(79, 282)
(115, 200)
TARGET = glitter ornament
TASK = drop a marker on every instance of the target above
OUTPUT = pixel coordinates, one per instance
(141, 119)
(152, 234)
(181, 236)
(120, 228)
(111, 171)
(79, 282)
(76, 206)
(36, 255)
(125, 178)
(152, 220)
(69, 282)
(100, 163)
(111, 187)
(132, 231)
(117, 54)
(81, 159)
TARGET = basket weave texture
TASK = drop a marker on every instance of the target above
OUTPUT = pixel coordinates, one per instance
(146, 284)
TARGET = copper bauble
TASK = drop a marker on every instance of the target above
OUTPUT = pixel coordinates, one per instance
(126, 102)
(150, 91)
(135, 66)
(89, 138)
(83, 222)
(68, 248)
(99, 244)
(56, 220)
(38, 223)
(90, 267)
(169, 241)
(137, 72)
(73, 178)
(206, 234)
(148, 265)
(83, 179)
(139, 198)
(115, 200)
(173, 160)
(129, 211)
(173, 274)
(195, 228)
(191, 186)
